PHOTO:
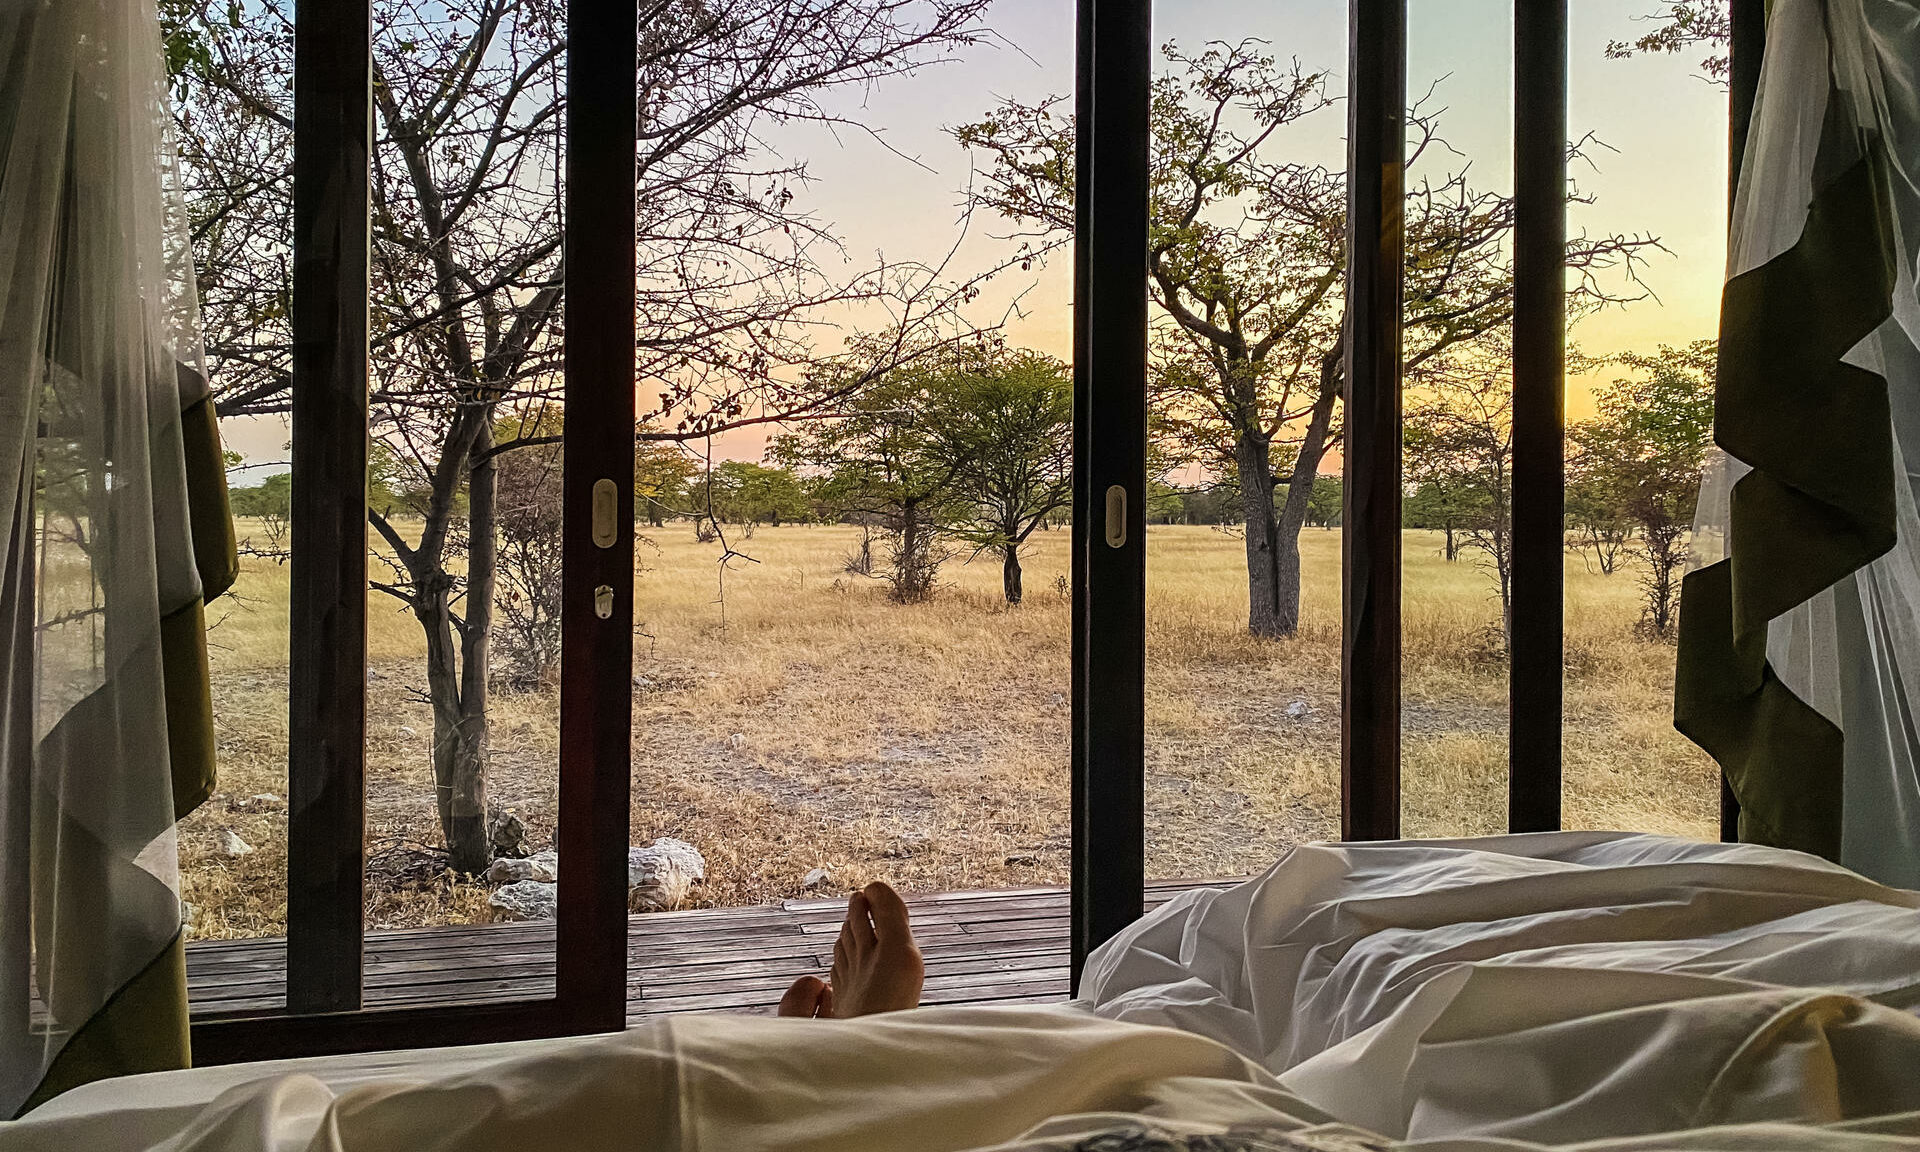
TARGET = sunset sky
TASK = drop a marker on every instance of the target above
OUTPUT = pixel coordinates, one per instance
(1662, 172)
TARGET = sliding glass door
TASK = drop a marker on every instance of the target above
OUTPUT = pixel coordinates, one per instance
(461, 379)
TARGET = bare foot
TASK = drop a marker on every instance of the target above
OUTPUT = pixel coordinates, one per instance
(876, 964)
(809, 996)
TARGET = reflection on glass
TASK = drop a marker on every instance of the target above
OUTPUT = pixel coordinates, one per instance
(1243, 548)
(1640, 413)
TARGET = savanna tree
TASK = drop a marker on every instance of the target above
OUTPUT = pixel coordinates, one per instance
(468, 293)
(662, 469)
(875, 463)
(1459, 440)
(1247, 267)
(971, 447)
(1648, 443)
(1003, 419)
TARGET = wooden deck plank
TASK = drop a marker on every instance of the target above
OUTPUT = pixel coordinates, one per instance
(998, 946)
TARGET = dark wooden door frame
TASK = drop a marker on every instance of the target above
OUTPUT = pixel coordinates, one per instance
(1748, 24)
(327, 713)
(327, 609)
(327, 672)
(1114, 74)
(1535, 657)
(1370, 492)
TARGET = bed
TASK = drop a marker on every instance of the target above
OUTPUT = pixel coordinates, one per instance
(1561, 990)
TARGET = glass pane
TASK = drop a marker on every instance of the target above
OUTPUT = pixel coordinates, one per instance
(235, 167)
(1639, 408)
(464, 496)
(1243, 543)
(1458, 449)
(849, 426)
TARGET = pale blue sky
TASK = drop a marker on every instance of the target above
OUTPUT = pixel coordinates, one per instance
(1665, 176)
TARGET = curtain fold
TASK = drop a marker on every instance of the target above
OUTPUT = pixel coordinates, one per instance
(1799, 665)
(114, 493)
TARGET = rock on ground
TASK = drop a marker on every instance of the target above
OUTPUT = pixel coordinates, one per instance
(507, 833)
(662, 872)
(525, 900)
(542, 866)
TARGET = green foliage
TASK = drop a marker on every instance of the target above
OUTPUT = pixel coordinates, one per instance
(739, 492)
(661, 472)
(1443, 507)
(183, 33)
(1326, 502)
(1641, 458)
(272, 497)
(972, 445)
(1682, 26)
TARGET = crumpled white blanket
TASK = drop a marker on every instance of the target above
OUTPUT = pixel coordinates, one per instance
(1589, 991)
(1556, 987)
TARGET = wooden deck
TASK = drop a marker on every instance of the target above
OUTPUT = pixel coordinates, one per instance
(1006, 946)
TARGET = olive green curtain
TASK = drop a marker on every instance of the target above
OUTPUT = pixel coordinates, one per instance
(113, 490)
(1801, 612)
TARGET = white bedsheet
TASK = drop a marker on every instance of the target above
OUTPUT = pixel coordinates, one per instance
(1560, 987)
(1517, 992)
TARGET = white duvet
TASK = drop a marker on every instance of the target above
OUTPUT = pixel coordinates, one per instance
(1573, 989)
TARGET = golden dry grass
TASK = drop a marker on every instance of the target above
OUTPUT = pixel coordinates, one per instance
(806, 722)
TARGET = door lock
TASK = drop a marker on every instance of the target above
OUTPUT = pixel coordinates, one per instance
(603, 601)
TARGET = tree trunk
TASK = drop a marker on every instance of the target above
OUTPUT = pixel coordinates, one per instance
(1266, 594)
(1010, 572)
(1293, 513)
(1453, 550)
(457, 657)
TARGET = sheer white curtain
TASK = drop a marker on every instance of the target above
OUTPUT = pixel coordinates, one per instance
(1841, 81)
(98, 359)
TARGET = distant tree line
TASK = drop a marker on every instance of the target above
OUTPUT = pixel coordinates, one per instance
(1633, 468)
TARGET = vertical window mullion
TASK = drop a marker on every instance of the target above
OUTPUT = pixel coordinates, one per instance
(1370, 533)
(1535, 689)
(1748, 24)
(326, 672)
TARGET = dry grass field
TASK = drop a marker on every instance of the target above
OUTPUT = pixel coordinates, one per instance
(802, 721)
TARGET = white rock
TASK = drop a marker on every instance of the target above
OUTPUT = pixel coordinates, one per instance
(541, 866)
(814, 879)
(507, 870)
(546, 865)
(661, 873)
(1298, 709)
(738, 740)
(526, 900)
(232, 845)
(264, 800)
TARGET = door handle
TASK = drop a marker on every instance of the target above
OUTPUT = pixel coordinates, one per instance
(606, 513)
(1116, 517)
